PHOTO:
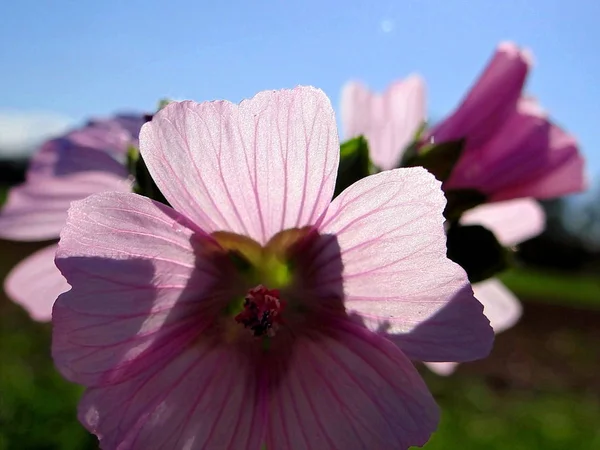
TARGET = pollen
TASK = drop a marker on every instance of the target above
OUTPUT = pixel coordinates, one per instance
(261, 313)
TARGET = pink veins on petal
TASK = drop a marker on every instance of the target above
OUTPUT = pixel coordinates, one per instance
(257, 311)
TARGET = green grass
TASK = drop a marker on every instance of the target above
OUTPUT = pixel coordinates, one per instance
(570, 290)
(37, 406)
(477, 417)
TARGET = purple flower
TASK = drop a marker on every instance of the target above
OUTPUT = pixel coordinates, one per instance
(71, 167)
(257, 311)
(512, 149)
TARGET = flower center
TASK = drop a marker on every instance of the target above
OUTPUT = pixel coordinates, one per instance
(261, 313)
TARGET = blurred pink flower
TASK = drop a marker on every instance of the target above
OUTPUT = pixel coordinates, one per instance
(513, 222)
(71, 167)
(512, 149)
(389, 121)
(257, 311)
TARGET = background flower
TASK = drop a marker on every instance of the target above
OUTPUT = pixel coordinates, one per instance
(511, 147)
(71, 167)
(389, 121)
(513, 222)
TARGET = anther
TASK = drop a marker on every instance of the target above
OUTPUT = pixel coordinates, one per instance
(262, 311)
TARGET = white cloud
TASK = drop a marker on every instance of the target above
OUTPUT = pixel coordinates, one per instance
(22, 131)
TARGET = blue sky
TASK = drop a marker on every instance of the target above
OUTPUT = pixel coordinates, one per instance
(79, 58)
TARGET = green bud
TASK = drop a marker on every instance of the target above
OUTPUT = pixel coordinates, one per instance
(477, 251)
(461, 200)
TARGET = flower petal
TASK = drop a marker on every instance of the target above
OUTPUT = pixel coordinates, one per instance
(528, 156)
(101, 146)
(512, 221)
(490, 100)
(561, 170)
(499, 304)
(515, 153)
(37, 209)
(139, 283)
(63, 156)
(389, 121)
(35, 283)
(205, 398)
(396, 274)
(114, 134)
(351, 390)
(254, 169)
(442, 368)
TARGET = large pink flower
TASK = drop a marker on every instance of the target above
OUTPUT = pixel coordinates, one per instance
(83, 162)
(512, 149)
(389, 121)
(257, 311)
(513, 222)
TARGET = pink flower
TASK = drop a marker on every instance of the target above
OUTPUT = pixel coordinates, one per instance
(83, 162)
(513, 222)
(257, 311)
(389, 121)
(512, 149)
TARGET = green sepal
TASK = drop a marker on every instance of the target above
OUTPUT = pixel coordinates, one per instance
(438, 159)
(144, 184)
(412, 151)
(355, 163)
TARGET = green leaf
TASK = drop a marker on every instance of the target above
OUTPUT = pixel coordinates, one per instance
(163, 102)
(438, 159)
(477, 250)
(354, 163)
(461, 200)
